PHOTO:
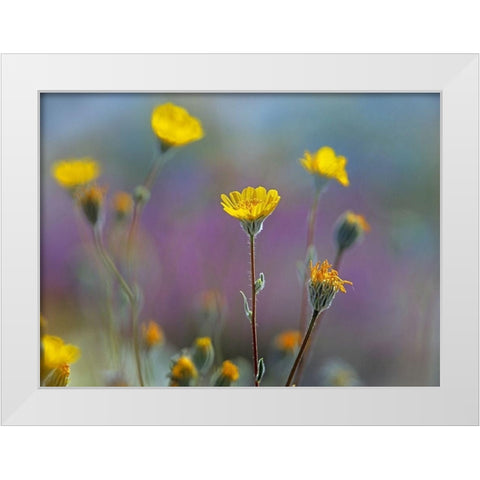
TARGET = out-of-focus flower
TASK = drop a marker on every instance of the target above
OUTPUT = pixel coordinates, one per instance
(183, 372)
(174, 126)
(325, 165)
(152, 334)
(226, 375)
(338, 373)
(58, 353)
(203, 353)
(288, 341)
(252, 206)
(211, 302)
(122, 205)
(75, 172)
(323, 285)
(350, 228)
(91, 200)
(57, 358)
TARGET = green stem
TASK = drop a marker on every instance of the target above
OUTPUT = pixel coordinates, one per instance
(110, 264)
(310, 239)
(303, 347)
(254, 310)
(304, 361)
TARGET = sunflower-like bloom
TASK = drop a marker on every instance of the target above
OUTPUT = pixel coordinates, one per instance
(72, 173)
(174, 126)
(252, 206)
(323, 285)
(183, 372)
(152, 334)
(227, 374)
(91, 200)
(350, 228)
(288, 341)
(325, 165)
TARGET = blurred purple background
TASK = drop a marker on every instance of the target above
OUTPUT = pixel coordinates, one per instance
(386, 327)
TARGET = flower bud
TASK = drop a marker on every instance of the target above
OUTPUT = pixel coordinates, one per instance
(141, 195)
(183, 372)
(123, 205)
(91, 200)
(203, 354)
(226, 375)
(350, 228)
(152, 334)
(288, 342)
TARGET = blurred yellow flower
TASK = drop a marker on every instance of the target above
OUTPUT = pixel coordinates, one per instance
(252, 206)
(183, 372)
(174, 126)
(288, 341)
(230, 371)
(74, 172)
(203, 353)
(57, 353)
(325, 163)
(122, 204)
(152, 334)
(359, 220)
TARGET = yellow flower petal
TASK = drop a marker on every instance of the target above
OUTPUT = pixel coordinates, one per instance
(175, 126)
(74, 172)
(327, 164)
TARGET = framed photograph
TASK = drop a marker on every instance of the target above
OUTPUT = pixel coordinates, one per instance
(285, 239)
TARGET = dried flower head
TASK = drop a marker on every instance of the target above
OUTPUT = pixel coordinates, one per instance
(252, 206)
(174, 126)
(323, 285)
(326, 165)
(75, 172)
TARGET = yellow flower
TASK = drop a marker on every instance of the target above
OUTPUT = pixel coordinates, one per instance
(230, 371)
(325, 163)
(350, 228)
(152, 334)
(288, 341)
(227, 374)
(122, 204)
(75, 172)
(252, 206)
(57, 353)
(174, 126)
(203, 353)
(183, 372)
(323, 285)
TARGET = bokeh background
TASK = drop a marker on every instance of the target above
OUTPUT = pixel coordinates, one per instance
(385, 330)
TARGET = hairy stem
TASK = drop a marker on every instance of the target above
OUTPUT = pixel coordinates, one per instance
(310, 238)
(303, 347)
(254, 310)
